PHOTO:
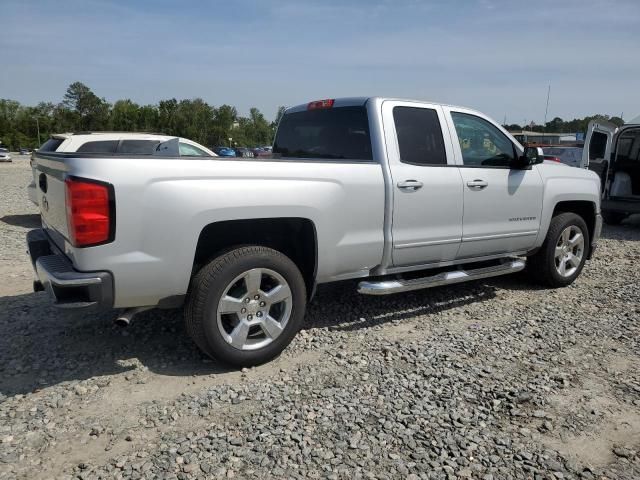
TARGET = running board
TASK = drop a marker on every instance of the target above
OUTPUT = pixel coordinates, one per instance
(385, 287)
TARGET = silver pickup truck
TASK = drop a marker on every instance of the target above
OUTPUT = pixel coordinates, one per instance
(401, 194)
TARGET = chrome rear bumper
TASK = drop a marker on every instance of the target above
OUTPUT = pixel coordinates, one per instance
(67, 287)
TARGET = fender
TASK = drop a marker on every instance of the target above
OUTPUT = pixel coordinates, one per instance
(565, 184)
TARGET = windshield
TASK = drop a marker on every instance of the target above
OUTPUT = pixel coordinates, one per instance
(328, 133)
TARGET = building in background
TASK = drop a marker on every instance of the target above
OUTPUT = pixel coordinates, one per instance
(526, 137)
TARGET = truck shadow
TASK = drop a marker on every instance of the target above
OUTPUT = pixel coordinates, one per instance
(629, 229)
(41, 346)
(338, 307)
(25, 221)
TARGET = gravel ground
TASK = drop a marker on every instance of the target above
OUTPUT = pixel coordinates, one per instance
(491, 380)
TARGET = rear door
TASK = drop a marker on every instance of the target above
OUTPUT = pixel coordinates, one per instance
(596, 154)
(427, 187)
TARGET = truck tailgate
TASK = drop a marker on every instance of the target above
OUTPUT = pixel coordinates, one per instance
(50, 191)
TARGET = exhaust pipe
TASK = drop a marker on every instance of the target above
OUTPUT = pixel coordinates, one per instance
(124, 319)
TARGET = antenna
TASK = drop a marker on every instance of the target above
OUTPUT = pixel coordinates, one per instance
(546, 110)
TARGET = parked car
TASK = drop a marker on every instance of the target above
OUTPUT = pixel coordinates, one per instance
(225, 151)
(571, 156)
(5, 156)
(261, 152)
(244, 152)
(121, 143)
(614, 154)
(401, 194)
(24, 151)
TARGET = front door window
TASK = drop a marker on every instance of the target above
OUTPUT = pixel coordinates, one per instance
(481, 143)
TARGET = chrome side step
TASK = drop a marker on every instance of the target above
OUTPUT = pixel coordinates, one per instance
(385, 287)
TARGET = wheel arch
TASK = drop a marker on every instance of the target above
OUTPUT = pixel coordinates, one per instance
(295, 237)
(585, 209)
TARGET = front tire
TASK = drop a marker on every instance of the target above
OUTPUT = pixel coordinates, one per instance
(563, 253)
(246, 306)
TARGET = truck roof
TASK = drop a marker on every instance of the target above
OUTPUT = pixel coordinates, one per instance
(360, 101)
(109, 133)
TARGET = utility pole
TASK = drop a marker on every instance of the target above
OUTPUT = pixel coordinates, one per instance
(38, 127)
(546, 110)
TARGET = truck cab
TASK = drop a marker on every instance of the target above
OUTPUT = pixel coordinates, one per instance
(614, 154)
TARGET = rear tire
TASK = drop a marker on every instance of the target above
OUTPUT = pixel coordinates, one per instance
(613, 218)
(563, 253)
(245, 306)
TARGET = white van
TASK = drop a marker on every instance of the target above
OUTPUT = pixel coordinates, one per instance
(130, 143)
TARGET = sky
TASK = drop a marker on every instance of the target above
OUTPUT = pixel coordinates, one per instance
(498, 56)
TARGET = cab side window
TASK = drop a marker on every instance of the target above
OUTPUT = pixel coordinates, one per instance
(138, 147)
(419, 136)
(481, 143)
(187, 150)
(99, 146)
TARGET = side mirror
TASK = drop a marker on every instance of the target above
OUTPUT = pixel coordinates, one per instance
(532, 156)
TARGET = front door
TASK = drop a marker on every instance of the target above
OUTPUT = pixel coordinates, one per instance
(427, 188)
(502, 205)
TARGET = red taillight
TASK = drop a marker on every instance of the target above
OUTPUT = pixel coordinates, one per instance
(553, 159)
(320, 104)
(88, 212)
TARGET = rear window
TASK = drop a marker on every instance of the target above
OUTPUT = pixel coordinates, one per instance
(100, 146)
(138, 147)
(340, 133)
(51, 145)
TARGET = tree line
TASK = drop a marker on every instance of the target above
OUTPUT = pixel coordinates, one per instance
(82, 110)
(558, 125)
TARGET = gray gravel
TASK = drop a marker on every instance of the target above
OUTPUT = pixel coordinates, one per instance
(488, 380)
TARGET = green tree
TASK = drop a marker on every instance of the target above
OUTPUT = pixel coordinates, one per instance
(81, 109)
(148, 119)
(124, 116)
(92, 112)
(222, 128)
(167, 116)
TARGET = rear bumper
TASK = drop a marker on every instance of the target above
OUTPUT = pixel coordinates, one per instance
(67, 287)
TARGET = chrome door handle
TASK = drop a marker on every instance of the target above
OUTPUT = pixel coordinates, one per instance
(477, 184)
(410, 185)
